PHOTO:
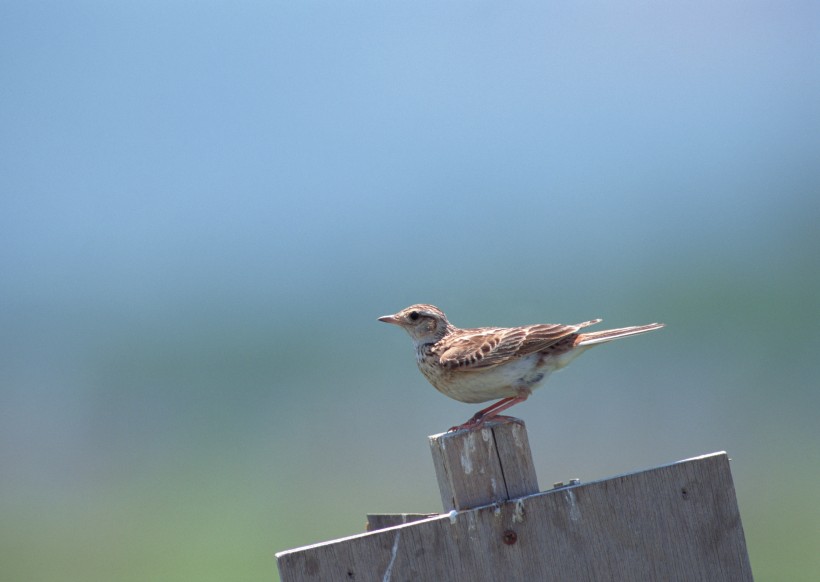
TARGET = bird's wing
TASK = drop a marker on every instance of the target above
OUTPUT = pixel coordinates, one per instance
(476, 349)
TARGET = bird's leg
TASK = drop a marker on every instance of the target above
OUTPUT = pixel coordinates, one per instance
(491, 411)
(500, 406)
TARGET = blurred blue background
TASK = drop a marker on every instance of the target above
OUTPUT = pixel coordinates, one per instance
(206, 205)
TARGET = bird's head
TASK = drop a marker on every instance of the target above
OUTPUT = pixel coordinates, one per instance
(426, 324)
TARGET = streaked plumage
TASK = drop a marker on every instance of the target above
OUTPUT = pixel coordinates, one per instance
(481, 364)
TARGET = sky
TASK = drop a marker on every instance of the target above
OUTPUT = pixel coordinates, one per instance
(204, 207)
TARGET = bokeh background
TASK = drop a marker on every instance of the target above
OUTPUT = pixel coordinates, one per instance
(206, 205)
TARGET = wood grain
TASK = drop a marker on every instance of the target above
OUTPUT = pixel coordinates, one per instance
(484, 465)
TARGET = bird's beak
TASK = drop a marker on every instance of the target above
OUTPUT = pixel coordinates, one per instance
(389, 319)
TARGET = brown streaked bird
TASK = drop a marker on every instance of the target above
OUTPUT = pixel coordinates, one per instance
(485, 363)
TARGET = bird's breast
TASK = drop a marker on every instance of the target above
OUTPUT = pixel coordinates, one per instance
(483, 384)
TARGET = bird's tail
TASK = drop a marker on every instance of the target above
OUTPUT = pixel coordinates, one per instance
(599, 337)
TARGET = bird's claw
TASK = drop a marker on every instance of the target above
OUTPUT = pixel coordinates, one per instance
(474, 422)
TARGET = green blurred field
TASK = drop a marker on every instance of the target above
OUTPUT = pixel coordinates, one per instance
(204, 210)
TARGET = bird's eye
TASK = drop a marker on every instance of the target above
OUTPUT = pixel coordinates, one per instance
(414, 315)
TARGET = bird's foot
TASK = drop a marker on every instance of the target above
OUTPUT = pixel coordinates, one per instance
(491, 411)
(466, 426)
(475, 421)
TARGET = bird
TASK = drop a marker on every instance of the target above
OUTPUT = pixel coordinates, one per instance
(487, 363)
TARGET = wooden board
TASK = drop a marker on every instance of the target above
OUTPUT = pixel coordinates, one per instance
(676, 522)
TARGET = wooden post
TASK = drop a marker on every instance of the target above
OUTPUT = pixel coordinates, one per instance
(676, 522)
(486, 465)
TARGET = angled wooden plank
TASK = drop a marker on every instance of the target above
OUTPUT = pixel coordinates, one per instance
(678, 522)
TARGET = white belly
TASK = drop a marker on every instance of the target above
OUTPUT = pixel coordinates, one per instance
(515, 378)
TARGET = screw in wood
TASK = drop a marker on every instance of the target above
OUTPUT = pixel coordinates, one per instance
(509, 537)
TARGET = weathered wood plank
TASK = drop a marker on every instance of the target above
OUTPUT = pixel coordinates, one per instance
(483, 465)
(674, 523)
